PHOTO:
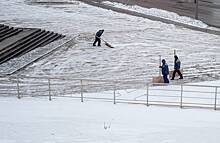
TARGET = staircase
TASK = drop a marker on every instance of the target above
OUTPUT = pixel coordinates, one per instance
(15, 42)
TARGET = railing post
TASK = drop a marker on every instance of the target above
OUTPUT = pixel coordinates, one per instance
(49, 89)
(216, 93)
(18, 88)
(114, 96)
(181, 97)
(81, 90)
(196, 8)
(147, 94)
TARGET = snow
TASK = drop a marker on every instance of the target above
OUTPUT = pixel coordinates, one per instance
(34, 120)
(135, 57)
(67, 119)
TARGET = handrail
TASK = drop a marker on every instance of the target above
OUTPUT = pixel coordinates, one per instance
(112, 90)
(111, 81)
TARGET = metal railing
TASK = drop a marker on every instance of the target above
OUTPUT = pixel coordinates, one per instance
(133, 92)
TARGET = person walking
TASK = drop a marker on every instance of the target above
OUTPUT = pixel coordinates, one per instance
(165, 71)
(98, 38)
(176, 68)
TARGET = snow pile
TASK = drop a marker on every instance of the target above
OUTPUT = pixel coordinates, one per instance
(159, 13)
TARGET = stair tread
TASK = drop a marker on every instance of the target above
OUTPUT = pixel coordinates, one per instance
(15, 38)
(15, 42)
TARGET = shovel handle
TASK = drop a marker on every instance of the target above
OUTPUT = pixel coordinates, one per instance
(159, 65)
(103, 40)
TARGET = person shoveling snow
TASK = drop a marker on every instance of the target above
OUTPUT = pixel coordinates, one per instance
(98, 37)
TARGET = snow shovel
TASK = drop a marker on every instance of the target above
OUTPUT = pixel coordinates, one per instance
(107, 44)
(159, 78)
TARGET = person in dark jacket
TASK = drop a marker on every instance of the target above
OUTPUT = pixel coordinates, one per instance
(176, 68)
(165, 71)
(98, 38)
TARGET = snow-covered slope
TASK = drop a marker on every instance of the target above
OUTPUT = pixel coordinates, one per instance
(137, 41)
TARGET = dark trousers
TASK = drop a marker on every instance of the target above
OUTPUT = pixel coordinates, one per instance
(165, 79)
(174, 73)
(97, 40)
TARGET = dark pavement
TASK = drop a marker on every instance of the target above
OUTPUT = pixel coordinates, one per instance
(209, 10)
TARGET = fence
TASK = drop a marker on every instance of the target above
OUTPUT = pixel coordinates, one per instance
(133, 92)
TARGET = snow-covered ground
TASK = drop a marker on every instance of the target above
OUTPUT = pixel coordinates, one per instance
(65, 120)
(137, 42)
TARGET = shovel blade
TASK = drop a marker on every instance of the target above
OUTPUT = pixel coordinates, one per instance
(107, 44)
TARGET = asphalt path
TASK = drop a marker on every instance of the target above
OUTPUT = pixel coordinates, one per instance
(208, 10)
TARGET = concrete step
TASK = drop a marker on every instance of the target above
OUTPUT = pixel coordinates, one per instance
(55, 37)
(35, 43)
(3, 28)
(17, 41)
(13, 40)
(8, 31)
(16, 31)
(14, 50)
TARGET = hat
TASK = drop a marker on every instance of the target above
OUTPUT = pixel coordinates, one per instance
(163, 61)
(175, 57)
